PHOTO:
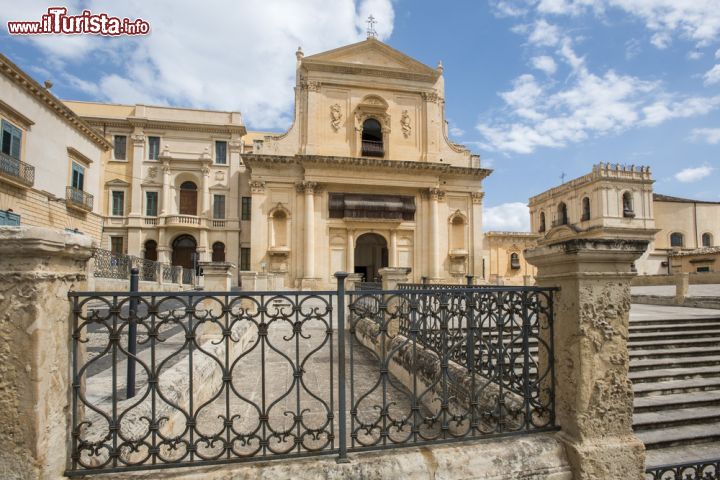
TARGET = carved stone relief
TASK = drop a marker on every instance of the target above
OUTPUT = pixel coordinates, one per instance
(336, 116)
(405, 124)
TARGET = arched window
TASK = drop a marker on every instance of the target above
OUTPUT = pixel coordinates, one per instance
(372, 139)
(457, 233)
(677, 239)
(707, 240)
(218, 252)
(585, 209)
(279, 230)
(188, 198)
(151, 250)
(514, 261)
(562, 218)
(542, 222)
(627, 201)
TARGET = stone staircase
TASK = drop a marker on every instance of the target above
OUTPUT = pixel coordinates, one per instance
(675, 369)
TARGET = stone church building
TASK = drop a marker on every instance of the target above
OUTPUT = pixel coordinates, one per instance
(365, 178)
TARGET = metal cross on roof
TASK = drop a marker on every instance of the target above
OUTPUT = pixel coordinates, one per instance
(371, 32)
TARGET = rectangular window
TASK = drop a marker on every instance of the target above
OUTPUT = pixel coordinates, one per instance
(116, 245)
(118, 203)
(151, 204)
(9, 218)
(219, 206)
(245, 259)
(221, 152)
(153, 148)
(703, 269)
(78, 176)
(11, 139)
(246, 204)
(120, 150)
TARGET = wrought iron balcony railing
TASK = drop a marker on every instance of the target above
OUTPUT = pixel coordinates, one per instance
(79, 199)
(16, 171)
(372, 148)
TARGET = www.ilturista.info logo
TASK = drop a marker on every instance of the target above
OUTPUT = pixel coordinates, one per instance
(57, 21)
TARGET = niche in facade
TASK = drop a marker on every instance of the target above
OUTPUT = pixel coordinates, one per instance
(279, 235)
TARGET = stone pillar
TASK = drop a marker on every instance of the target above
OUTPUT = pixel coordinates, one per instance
(309, 268)
(248, 281)
(258, 224)
(165, 205)
(39, 267)
(593, 394)
(682, 286)
(218, 276)
(528, 280)
(205, 204)
(478, 244)
(350, 254)
(435, 195)
(352, 280)
(393, 249)
(392, 276)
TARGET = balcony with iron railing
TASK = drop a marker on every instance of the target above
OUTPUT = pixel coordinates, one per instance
(372, 148)
(78, 199)
(16, 172)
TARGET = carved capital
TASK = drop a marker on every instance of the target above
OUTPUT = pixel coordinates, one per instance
(310, 85)
(138, 139)
(431, 97)
(477, 197)
(257, 186)
(436, 194)
(306, 187)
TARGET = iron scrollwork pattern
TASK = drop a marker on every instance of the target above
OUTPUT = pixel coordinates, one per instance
(219, 377)
(700, 470)
(450, 363)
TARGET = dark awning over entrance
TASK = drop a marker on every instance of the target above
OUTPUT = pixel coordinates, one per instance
(353, 205)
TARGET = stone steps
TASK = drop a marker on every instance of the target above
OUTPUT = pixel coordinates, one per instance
(643, 364)
(675, 369)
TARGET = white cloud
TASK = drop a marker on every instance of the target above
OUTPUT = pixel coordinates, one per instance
(218, 55)
(544, 63)
(456, 132)
(717, 53)
(511, 217)
(708, 135)
(712, 76)
(507, 8)
(664, 109)
(689, 175)
(696, 54)
(544, 34)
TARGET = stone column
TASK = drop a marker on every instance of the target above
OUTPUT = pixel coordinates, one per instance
(165, 206)
(393, 248)
(350, 254)
(435, 194)
(39, 267)
(682, 287)
(309, 268)
(258, 225)
(205, 204)
(593, 394)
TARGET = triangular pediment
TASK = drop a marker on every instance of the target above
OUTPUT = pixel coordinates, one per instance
(371, 53)
(117, 183)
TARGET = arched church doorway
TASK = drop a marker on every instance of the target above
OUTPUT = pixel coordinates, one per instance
(184, 251)
(371, 254)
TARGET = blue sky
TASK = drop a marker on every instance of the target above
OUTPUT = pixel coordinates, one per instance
(537, 87)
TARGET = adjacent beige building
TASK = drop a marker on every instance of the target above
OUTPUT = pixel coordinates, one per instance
(50, 159)
(507, 258)
(172, 184)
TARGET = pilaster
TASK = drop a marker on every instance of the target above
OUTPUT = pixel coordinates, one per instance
(593, 392)
(40, 266)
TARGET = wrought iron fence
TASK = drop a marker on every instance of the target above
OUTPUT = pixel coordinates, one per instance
(236, 376)
(700, 470)
(79, 197)
(473, 363)
(118, 266)
(112, 265)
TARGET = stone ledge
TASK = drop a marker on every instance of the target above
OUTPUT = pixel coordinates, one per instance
(528, 457)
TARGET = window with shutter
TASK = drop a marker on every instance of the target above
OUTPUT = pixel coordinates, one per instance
(11, 139)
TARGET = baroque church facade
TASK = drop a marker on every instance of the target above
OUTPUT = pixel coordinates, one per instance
(365, 178)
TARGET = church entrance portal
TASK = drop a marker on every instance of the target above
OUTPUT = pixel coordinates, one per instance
(371, 254)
